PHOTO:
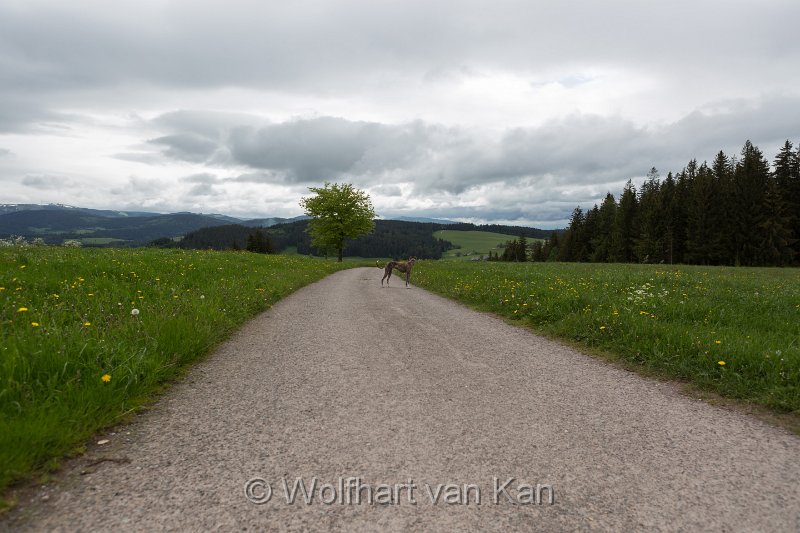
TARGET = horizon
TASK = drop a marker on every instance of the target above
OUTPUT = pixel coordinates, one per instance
(401, 218)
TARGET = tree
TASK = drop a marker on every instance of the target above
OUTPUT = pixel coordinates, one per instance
(750, 179)
(624, 238)
(604, 230)
(338, 212)
(522, 249)
(259, 243)
(648, 245)
(787, 176)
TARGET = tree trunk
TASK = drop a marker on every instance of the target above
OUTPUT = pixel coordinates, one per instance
(340, 255)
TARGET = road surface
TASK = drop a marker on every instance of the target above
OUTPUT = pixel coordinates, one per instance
(407, 397)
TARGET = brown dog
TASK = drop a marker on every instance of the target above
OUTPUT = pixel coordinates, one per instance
(401, 266)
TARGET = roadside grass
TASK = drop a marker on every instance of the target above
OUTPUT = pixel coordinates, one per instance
(731, 331)
(88, 336)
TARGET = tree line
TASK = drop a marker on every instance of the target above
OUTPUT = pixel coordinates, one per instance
(734, 211)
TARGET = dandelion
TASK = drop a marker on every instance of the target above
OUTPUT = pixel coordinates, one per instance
(106, 378)
(721, 363)
(602, 327)
(717, 342)
(22, 309)
(87, 324)
(35, 324)
(134, 312)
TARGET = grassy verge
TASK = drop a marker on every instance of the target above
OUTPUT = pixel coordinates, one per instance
(732, 331)
(88, 335)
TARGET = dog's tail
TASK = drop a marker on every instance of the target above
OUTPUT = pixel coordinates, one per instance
(378, 264)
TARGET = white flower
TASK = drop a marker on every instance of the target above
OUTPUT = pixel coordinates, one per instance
(202, 296)
(134, 312)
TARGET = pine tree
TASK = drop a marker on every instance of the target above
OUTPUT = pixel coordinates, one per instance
(750, 181)
(605, 230)
(623, 240)
(648, 245)
(537, 251)
(776, 246)
(699, 228)
(787, 176)
(722, 247)
(522, 249)
(572, 244)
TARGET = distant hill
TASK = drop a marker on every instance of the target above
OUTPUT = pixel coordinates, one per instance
(56, 225)
(423, 219)
(269, 222)
(95, 227)
(13, 208)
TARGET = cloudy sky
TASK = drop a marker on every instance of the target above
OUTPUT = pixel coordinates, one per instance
(508, 111)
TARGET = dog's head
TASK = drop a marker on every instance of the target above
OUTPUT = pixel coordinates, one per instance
(412, 260)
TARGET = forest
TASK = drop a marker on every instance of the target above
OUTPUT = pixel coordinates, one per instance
(734, 211)
(391, 238)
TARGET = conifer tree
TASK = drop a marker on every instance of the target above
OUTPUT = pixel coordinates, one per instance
(749, 187)
(624, 237)
(605, 230)
(648, 245)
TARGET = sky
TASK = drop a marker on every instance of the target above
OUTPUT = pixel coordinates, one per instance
(495, 111)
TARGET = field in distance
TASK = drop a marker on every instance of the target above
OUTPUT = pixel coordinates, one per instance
(730, 330)
(473, 243)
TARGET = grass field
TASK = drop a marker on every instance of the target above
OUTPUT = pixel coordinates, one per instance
(472, 243)
(88, 335)
(733, 331)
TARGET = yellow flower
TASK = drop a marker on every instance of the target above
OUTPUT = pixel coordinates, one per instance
(2, 288)
(22, 309)
(602, 327)
(87, 324)
(106, 378)
(35, 324)
(717, 342)
(721, 363)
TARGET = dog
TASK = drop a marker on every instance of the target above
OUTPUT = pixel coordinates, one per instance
(401, 266)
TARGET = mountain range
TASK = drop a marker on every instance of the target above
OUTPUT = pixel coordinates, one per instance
(56, 222)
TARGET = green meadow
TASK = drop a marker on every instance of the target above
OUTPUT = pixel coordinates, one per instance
(472, 243)
(732, 331)
(87, 336)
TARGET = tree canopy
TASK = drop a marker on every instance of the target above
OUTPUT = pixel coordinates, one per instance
(338, 212)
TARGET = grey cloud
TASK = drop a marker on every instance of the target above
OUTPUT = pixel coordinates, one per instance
(203, 189)
(20, 114)
(4, 152)
(146, 158)
(387, 190)
(202, 178)
(139, 187)
(55, 46)
(322, 148)
(187, 146)
(46, 181)
(576, 150)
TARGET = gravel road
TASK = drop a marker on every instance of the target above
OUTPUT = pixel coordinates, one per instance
(398, 387)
